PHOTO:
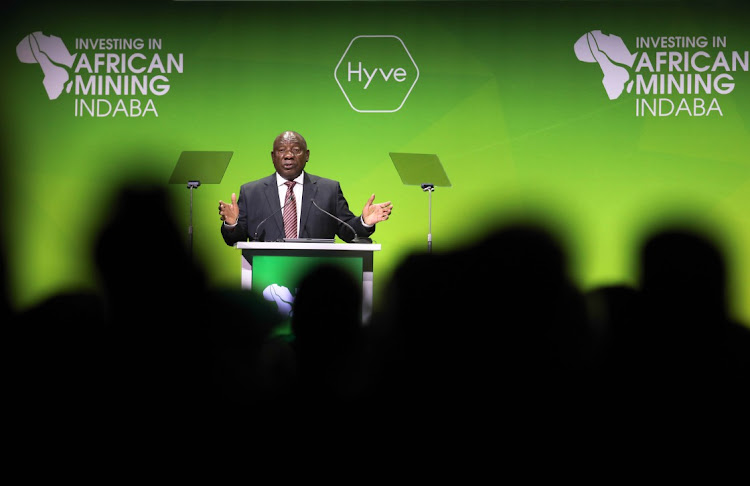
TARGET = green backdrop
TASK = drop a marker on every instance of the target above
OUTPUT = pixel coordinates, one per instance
(495, 89)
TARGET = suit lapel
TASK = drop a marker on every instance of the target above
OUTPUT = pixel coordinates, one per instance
(309, 190)
(272, 197)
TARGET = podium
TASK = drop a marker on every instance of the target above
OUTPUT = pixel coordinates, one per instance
(275, 268)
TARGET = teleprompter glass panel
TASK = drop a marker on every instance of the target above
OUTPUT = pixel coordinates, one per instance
(417, 169)
(207, 167)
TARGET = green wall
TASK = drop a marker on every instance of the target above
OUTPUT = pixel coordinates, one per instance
(521, 126)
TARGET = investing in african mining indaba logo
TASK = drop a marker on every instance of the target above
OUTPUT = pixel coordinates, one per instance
(282, 297)
(105, 77)
(667, 75)
(376, 73)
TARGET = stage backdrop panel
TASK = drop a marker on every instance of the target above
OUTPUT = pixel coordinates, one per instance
(603, 119)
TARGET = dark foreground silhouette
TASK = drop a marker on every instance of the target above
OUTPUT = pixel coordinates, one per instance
(493, 333)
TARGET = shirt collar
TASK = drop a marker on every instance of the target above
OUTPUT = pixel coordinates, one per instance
(299, 179)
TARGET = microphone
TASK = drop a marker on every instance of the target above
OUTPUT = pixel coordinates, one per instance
(290, 198)
(356, 239)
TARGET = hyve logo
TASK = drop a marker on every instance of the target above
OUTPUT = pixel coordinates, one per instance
(376, 73)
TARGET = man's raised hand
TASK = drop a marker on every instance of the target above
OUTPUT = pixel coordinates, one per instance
(229, 212)
(374, 213)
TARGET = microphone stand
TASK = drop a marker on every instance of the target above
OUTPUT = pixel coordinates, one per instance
(429, 188)
(191, 185)
(357, 238)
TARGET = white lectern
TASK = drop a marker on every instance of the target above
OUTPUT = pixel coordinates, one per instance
(353, 255)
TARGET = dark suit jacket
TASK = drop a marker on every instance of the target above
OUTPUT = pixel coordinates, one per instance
(259, 200)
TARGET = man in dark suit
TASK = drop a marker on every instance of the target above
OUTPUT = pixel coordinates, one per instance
(294, 203)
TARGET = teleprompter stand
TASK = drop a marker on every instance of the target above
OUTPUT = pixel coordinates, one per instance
(195, 168)
(426, 171)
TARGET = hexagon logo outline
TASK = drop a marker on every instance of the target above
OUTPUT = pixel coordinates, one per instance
(335, 71)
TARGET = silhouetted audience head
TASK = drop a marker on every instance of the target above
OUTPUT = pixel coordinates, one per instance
(493, 325)
(690, 344)
(527, 264)
(328, 339)
(154, 297)
(327, 308)
(249, 372)
(683, 273)
(142, 258)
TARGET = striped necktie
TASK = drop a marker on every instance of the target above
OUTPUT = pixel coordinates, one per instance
(290, 212)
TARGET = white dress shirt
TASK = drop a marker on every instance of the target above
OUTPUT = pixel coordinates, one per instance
(280, 182)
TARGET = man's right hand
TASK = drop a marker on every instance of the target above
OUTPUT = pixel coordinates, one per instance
(229, 212)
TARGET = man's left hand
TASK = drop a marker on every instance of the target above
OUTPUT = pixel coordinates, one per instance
(374, 213)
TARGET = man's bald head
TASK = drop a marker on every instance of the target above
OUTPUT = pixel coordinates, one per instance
(290, 154)
(290, 136)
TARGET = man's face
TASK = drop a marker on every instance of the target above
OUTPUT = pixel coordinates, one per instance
(289, 155)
